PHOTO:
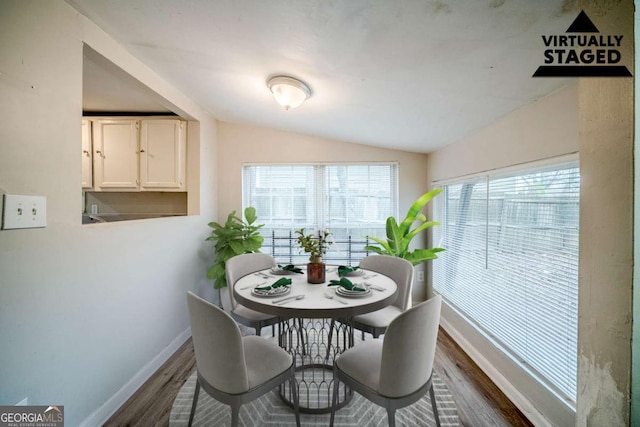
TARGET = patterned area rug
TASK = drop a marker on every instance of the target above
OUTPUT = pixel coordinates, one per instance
(269, 410)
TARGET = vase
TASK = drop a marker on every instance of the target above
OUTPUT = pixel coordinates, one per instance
(315, 272)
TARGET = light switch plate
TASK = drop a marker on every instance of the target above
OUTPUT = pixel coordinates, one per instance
(24, 212)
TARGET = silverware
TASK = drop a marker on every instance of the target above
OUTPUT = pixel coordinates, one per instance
(299, 297)
(334, 298)
(251, 286)
(374, 287)
(263, 275)
(288, 299)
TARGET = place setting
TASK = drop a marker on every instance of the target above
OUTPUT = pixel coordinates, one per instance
(345, 288)
(347, 271)
(280, 287)
(282, 270)
(356, 271)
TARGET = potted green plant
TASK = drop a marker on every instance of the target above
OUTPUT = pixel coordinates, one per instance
(233, 238)
(316, 246)
(399, 236)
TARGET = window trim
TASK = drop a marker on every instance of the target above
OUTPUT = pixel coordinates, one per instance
(505, 172)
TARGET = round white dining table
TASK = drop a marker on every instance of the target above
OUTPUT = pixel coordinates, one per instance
(314, 302)
(315, 325)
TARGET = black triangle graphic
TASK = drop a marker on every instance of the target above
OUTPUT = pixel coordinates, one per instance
(582, 24)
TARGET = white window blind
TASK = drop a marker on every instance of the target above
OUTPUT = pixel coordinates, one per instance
(511, 265)
(352, 201)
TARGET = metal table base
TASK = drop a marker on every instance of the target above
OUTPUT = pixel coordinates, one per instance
(315, 349)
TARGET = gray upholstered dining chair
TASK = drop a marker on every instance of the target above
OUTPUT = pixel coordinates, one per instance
(231, 368)
(235, 268)
(396, 371)
(401, 271)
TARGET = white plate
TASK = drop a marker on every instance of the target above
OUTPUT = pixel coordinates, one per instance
(351, 294)
(347, 291)
(279, 271)
(281, 290)
(358, 272)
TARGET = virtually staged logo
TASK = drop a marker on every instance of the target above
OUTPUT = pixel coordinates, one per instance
(31, 416)
(582, 52)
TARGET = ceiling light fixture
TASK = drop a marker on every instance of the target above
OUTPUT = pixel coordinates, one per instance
(288, 91)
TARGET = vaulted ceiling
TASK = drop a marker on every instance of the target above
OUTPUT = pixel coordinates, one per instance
(411, 75)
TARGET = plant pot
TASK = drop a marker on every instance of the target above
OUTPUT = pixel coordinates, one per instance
(316, 272)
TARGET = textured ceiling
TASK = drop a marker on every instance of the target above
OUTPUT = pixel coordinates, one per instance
(410, 75)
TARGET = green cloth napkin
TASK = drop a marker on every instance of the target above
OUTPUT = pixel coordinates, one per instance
(346, 283)
(284, 281)
(344, 269)
(290, 267)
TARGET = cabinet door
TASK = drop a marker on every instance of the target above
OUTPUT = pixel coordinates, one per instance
(162, 154)
(116, 155)
(87, 157)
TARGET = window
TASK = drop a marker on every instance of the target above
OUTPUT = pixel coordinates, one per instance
(352, 201)
(511, 265)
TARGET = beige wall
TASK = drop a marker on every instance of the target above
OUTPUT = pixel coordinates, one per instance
(543, 129)
(86, 312)
(547, 128)
(606, 231)
(240, 144)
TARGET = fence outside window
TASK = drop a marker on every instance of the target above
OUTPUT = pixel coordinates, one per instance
(283, 247)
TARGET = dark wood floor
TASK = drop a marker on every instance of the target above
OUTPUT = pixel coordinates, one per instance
(479, 401)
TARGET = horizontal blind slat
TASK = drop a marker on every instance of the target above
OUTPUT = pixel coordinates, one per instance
(511, 264)
(352, 201)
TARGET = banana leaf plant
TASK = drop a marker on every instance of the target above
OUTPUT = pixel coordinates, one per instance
(399, 236)
(233, 238)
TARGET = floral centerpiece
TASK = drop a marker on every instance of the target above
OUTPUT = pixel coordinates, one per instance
(316, 246)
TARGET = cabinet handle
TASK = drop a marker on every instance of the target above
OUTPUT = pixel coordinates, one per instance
(141, 151)
(85, 152)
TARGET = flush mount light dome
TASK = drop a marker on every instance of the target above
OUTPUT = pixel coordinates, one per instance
(288, 91)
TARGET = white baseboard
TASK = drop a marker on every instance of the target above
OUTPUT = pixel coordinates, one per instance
(104, 412)
(520, 401)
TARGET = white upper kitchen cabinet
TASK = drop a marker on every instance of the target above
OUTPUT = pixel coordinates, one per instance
(115, 164)
(139, 154)
(87, 157)
(162, 155)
